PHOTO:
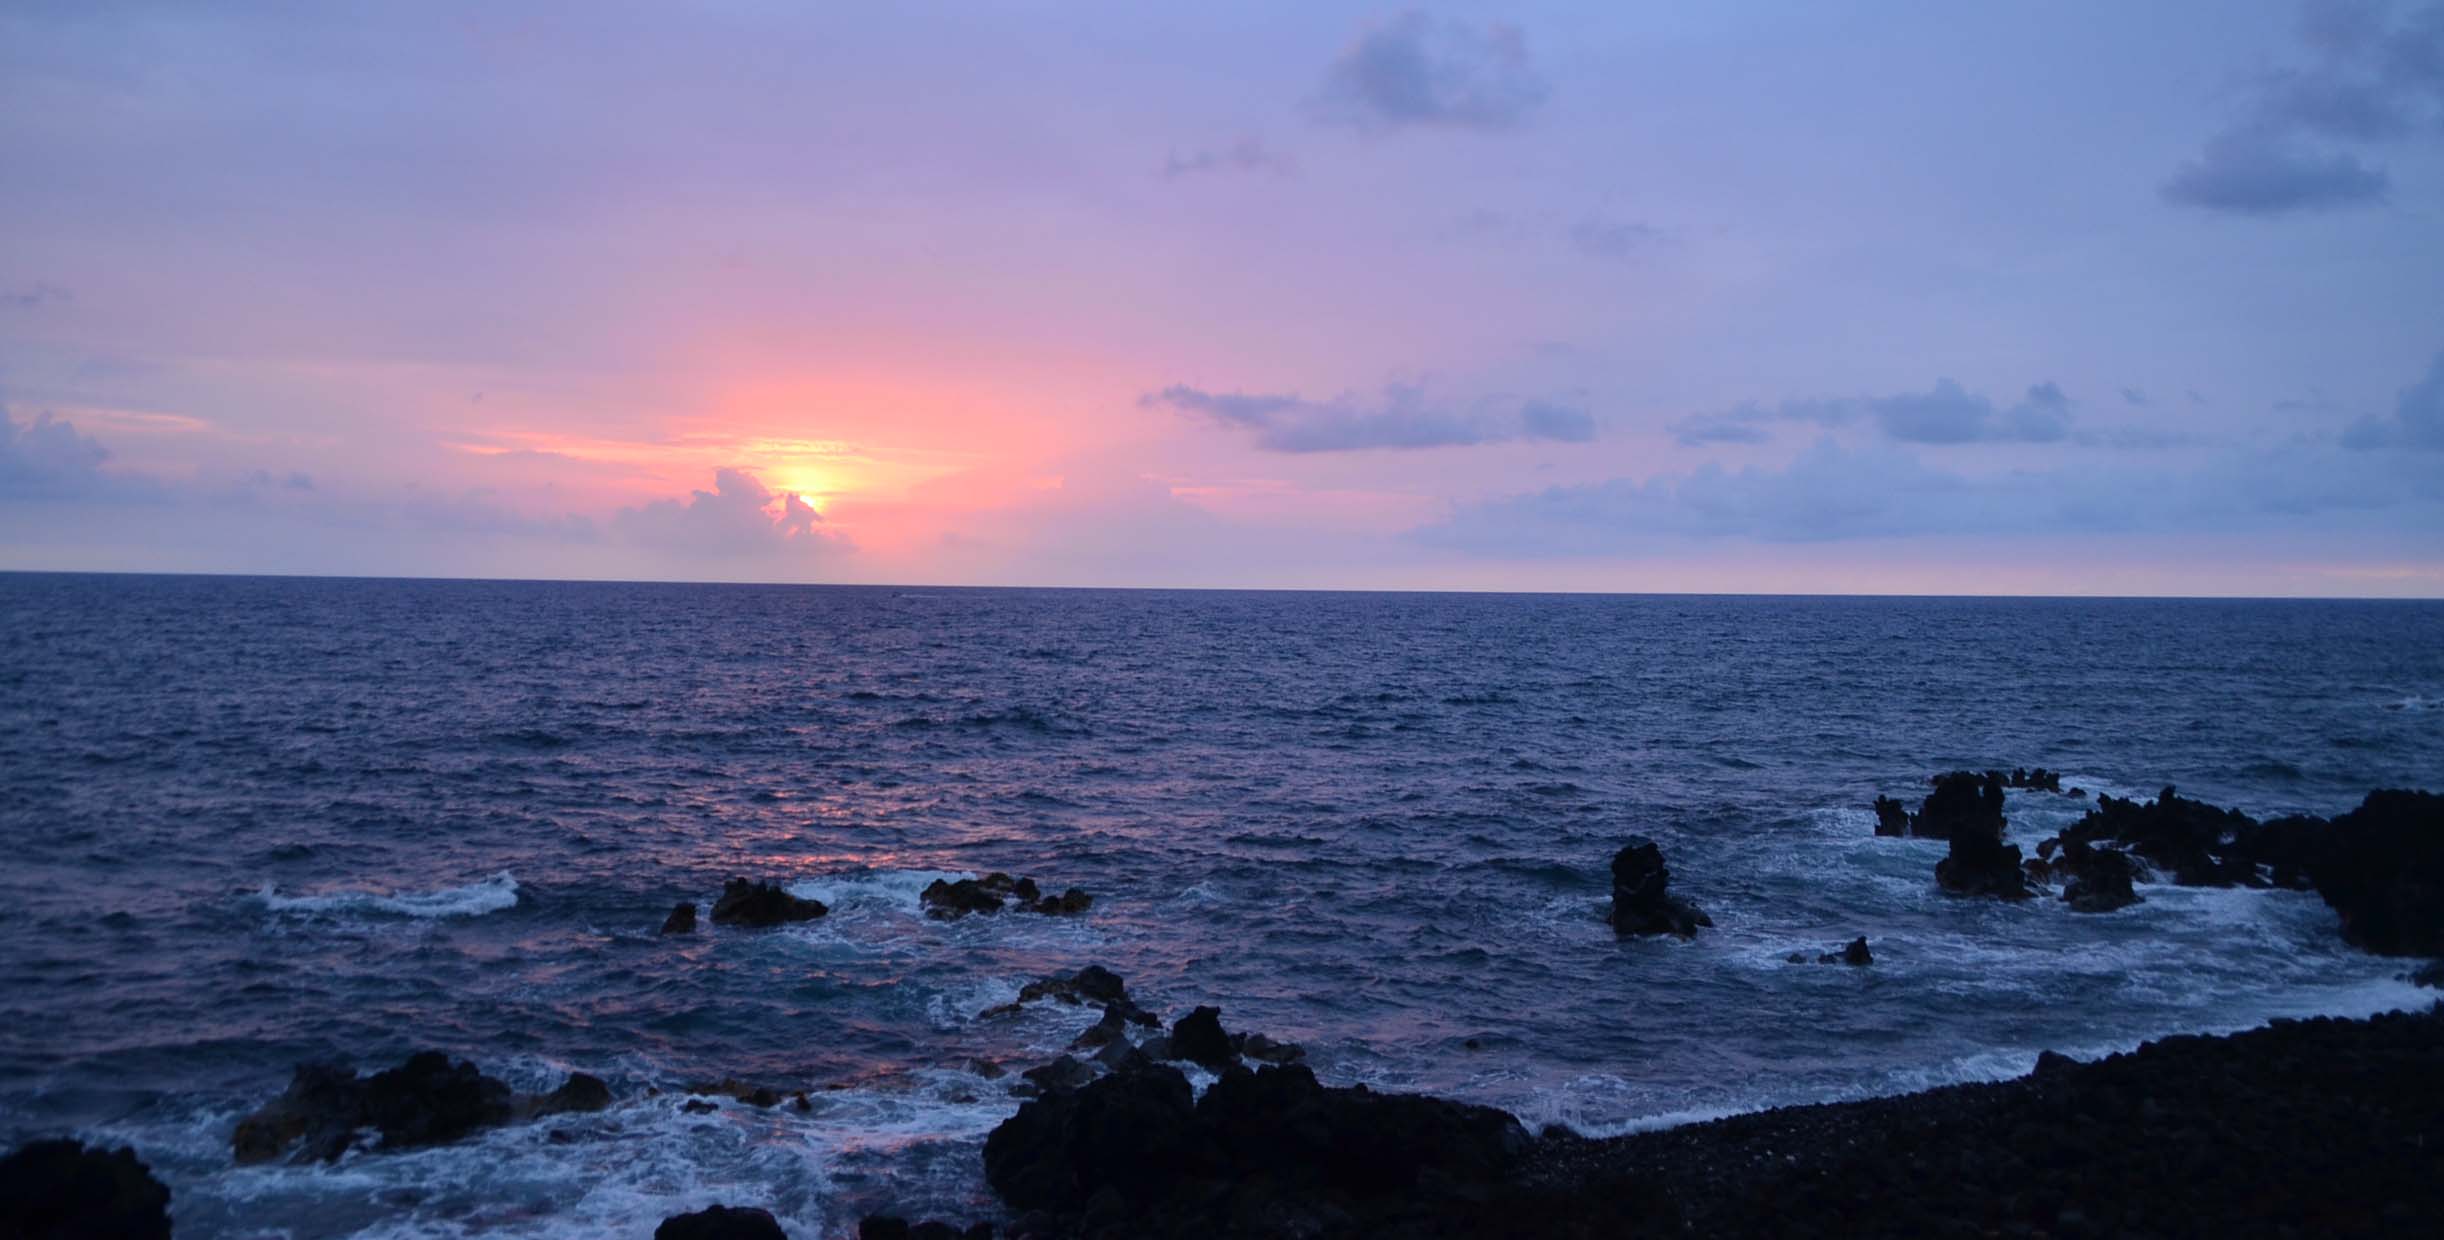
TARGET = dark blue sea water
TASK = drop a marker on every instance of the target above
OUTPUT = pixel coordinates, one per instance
(250, 822)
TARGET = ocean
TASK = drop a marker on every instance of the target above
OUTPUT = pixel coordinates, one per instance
(251, 822)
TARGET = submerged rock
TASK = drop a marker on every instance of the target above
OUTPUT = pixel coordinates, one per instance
(60, 1190)
(1641, 903)
(1092, 984)
(948, 900)
(1854, 954)
(428, 1100)
(762, 904)
(1060, 1076)
(721, 1223)
(1267, 1050)
(682, 919)
(742, 1091)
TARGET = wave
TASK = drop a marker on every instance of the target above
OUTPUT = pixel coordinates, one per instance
(489, 895)
(896, 890)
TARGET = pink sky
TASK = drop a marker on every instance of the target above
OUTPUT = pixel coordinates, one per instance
(1549, 297)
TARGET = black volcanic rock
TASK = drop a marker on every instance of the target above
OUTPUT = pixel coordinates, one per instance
(1131, 1132)
(60, 1190)
(1641, 900)
(1199, 1039)
(430, 1099)
(580, 1093)
(2098, 879)
(761, 905)
(1092, 984)
(1891, 817)
(1963, 801)
(1854, 954)
(721, 1223)
(1980, 863)
(887, 1227)
(2197, 844)
(682, 919)
(2382, 869)
(949, 900)
(1263, 1153)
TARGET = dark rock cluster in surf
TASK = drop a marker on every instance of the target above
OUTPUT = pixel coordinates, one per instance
(947, 899)
(430, 1099)
(1855, 955)
(1266, 1152)
(721, 1223)
(60, 1190)
(2379, 866)
(757, 905)
(1641, 900)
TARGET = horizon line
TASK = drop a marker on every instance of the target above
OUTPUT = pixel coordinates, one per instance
(1208, 589)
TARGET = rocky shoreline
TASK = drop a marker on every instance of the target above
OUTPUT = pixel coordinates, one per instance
(2318, 1127)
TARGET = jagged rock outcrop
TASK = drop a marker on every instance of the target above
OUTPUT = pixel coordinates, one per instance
(1270, 1152)
(721, 1223)
(888, 1227)
(2380, 866)
(1641, 900)
(1979, 862)
(949, 900)
(430, 1099)
(1854, 954)
(682, 919)
(60, 1190)
(761, 905)
(2097, 880)
(1962, 801)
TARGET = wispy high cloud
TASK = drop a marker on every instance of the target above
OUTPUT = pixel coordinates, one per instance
(2367, 80)
(1247, 156)
(1834, 493)
(1414, 71)
(2417, 422)
(1402, 417)
(1944, 414)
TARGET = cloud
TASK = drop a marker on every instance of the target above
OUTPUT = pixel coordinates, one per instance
(2417, 422)
(1944, 414)
(1415, 72)
(736, 518)
(2134, 396)
(1605, 238)
(1247, 155)
(2367, 81)
(35, 296)
(48, 458)
(2263, 172)
(1402, 418)
(1832, 493)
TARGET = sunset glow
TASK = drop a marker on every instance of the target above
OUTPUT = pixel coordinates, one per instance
(1571, 300)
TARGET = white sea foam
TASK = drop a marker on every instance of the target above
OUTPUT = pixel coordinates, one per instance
(887, 890)
(489, 895)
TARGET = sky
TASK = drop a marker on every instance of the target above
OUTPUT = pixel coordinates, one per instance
(2053, 298)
